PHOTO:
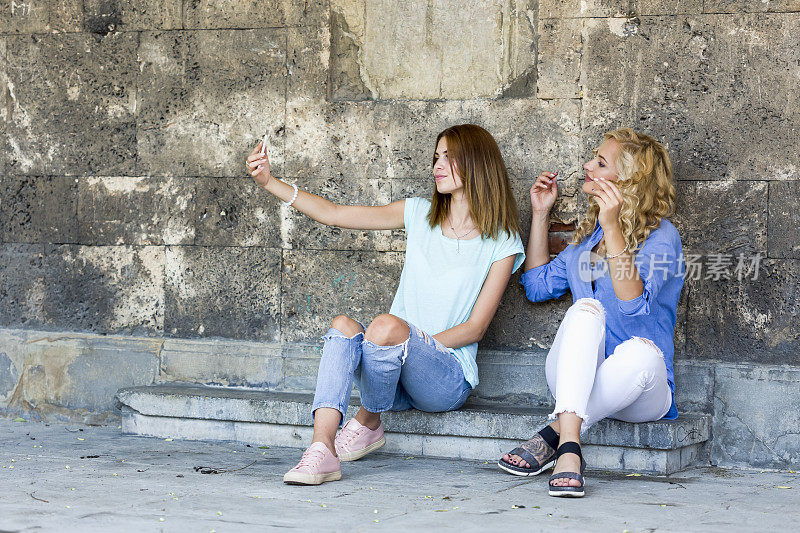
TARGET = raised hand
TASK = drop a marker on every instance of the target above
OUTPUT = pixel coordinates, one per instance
(258, 166)
(608, 197)
(544, 192)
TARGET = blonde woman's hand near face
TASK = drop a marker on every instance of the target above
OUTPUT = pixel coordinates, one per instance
(544, 192)
(608, 197)
(258, 166)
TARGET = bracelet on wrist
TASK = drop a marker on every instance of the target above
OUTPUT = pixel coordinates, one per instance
(617, 255)
(290, 202)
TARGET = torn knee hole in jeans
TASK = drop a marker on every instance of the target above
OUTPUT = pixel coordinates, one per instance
(647, 342)
(592, 307)
(382, 348)
(334, 333)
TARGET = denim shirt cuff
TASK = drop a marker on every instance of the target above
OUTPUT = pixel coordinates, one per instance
(639, 305)
(530, 276)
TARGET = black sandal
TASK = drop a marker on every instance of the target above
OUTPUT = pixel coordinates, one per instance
(567, 491)
(544, 444)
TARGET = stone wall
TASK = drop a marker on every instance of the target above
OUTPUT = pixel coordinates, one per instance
(125, 209)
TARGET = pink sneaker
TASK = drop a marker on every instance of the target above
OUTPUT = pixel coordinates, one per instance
(354, 441)
(317, 466)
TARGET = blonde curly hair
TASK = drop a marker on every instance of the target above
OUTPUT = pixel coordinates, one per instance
(645, 181)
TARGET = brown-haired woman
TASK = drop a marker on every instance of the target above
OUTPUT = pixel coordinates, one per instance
(461, 249)
(612, 355)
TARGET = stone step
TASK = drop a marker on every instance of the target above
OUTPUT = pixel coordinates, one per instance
(482, 432)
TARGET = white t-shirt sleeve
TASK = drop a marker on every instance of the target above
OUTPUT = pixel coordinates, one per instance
(412, 213)
(509, 245)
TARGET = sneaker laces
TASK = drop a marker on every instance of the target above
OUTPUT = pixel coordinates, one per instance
(311, 458)
(348, 435)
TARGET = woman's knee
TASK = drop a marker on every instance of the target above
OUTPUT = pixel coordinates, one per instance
(347, 325)
(639, 354)
(589, 306)
(387, 330)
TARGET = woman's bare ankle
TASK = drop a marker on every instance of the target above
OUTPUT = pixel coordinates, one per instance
(328, 443)
(369, 419)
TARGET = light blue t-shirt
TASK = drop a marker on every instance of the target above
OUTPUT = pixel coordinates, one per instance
(442, 277)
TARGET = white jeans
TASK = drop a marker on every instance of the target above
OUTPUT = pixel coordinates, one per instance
(631, 385)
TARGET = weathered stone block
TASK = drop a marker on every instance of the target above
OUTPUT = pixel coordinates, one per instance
(519, 28)
(434, 49)
(73, 376)
(709, 218)
(141, 211)
(688, 81)
(559, 64)
(38, 209)
(105, 16)
(219, 14)
(366, 140)
(236, 212)
(74, 113)
(24, 16)
(301, 231)
(694, 385)
(108, 289)
(308, 12)
(41, 16)
(784, 219)
(222, 362)
(22, 285)
(345, 80)
(756, 417)
(616, 8)
(222, 292)
(522, 324)
(317, 286)
(188, 126)
(66, 15)
(748, 6)
(752, 320)
(408, 63)
(9, 377)
(5, 147)
(310, 63)
(512, 378)
(300, 365)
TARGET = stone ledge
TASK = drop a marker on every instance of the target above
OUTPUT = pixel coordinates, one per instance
(478, 421)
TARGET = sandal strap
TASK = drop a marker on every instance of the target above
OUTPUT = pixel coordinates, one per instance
(567, 475)
(550, 436)
(570, 447)
(525, 455)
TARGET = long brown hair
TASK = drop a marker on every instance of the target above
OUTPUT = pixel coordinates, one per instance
(644, 174)
(474, 155)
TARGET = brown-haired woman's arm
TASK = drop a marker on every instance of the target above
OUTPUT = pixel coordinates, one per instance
(320, 209)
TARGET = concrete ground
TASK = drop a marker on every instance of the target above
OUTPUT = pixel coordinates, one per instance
(64, 478)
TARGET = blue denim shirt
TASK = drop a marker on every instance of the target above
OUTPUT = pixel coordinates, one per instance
(651, 315)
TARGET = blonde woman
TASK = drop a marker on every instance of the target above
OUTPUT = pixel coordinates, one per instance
(461, 249)
(612, 355)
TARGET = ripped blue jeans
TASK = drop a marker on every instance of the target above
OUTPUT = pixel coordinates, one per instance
(420, 373)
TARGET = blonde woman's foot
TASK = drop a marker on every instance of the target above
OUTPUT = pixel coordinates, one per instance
(567, 479)
(569, 462)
